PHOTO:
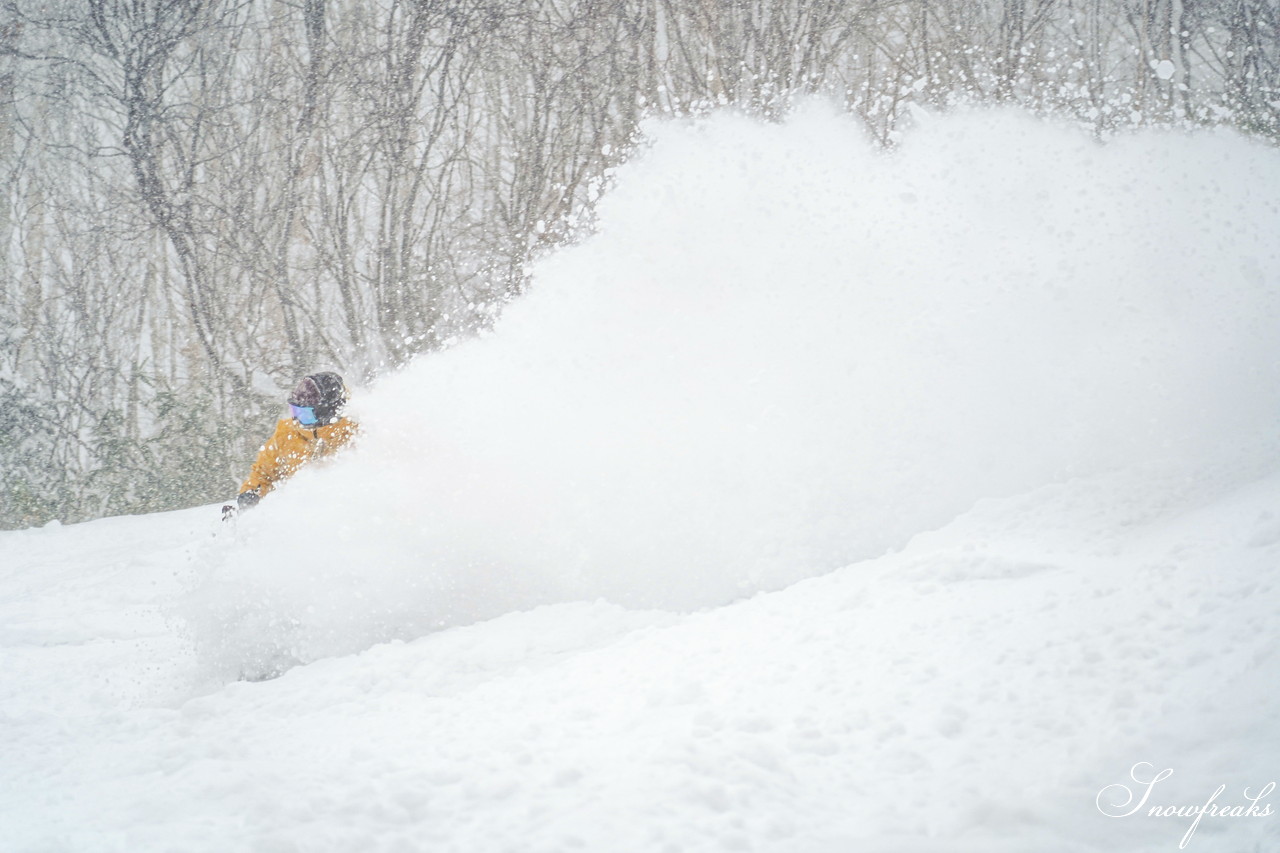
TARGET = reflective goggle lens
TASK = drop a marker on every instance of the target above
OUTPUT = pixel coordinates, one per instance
(306, 415)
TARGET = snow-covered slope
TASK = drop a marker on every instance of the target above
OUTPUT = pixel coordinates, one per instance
(975, 691)
(823, 501)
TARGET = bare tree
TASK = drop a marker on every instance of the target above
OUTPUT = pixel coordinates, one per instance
(205, 198)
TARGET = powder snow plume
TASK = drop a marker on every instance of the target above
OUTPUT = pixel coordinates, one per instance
(783, 351)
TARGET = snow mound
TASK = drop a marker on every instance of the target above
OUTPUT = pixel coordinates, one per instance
(782, 352)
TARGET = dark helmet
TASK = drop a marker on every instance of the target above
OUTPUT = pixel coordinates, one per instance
(326, 393)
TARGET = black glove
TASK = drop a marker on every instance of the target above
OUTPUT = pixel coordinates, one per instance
(228, 512)
(248, 500)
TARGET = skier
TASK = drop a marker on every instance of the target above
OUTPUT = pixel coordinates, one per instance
(316, 427)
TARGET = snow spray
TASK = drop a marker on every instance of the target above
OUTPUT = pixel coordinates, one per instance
(781, 351)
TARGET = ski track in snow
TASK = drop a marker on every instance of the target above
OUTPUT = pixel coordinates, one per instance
(899, 505)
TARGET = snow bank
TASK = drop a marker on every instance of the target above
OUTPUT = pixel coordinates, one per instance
(784, 351)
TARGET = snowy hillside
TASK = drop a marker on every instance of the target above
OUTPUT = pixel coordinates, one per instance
(975, 691)
(824, 500)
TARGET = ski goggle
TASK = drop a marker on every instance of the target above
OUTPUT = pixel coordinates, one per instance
(306, 415)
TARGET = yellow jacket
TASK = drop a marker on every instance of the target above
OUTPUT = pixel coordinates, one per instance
(290, 447)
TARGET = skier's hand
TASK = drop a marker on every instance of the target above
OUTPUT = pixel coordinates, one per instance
(228, 512)
(247, 500)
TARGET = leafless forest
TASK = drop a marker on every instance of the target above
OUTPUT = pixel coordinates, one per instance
(205, 199)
